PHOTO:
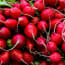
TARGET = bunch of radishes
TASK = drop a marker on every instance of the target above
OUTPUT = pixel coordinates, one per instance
(32, 32)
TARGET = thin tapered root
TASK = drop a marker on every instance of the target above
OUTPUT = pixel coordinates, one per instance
(24, 62)
(62, 34)
(12, 47)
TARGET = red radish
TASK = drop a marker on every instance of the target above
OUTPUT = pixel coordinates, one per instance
(61, 63)
(24, 4)
(57, 38)
(1, 11)
(30, 45)
(54, 64)
(63, 47)
(55, 57)
(63, 36)
(2, 18)
(63, 33)
(5, 33)
(15, 63)
(43, 63)
(59, 15)
(23, 21)
(30, 30)
(15, 12)
(62, 3)
(53, 23)
(47, 14)
(19, 37)
(39, 5)
(51, 2)
(29, 10)
(16, 55)
(22, 1)
(16, 5)
(51, 46)
(42, 25)
(28, 57)
(40, 41)
(60, 27)
(59, 8)
(3, 44)
(7, 11)
(4, 57)
(11, 24)
(35, 20)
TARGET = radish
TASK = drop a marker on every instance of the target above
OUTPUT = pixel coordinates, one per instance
(62, 3)
(40, 41)
(55, 57)
(17, 5)
(51, 46)
(4, 57)
(63, 36)
(43, 63)
(30, 30)
(42, 25)
(60, 63)
(35, 20)
(1, 12)
(16, 55)
(9, 43)
(15, 63)
(7, 11)
(15, 12)
(51, 2)
(2, 18)
(5, 33)
(60, 9)
(63, 47)
(19, 37)
(28, 58)
(39, 5)
(60, 27)
(29, 10)
(3, 44)
(30, 45)
(10, 22)
(55, 37)
(59, 15)
(45, 14)
(24, 4)
(54, 64)
(23, 21)
(53, 23)
(22, 1)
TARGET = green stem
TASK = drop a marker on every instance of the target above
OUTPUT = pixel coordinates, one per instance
(4, 4)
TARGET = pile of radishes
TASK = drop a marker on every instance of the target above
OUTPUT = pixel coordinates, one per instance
(32, 32)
